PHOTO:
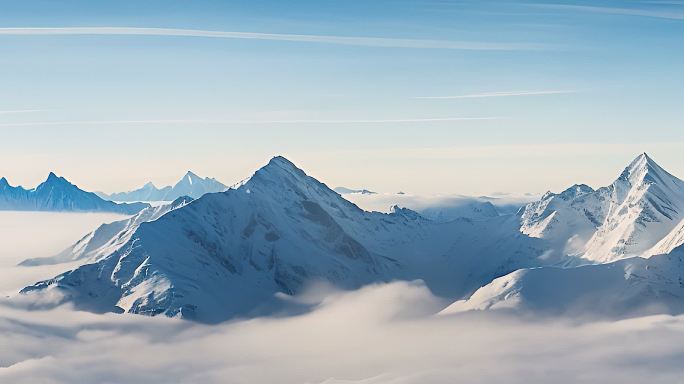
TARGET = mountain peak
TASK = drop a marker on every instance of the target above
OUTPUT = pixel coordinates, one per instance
(188, 181)
(53, 179)
(190, 177)
(281, 161)
(575, 191)
(282, 178)
(4, 182)
(643, 169)
(405, 212)
(278, 164)
(641, 161)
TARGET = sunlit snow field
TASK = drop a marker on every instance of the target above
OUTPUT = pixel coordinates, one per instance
(380, 334)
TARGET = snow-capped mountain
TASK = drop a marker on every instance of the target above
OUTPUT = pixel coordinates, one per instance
(190, 185)
(640, 214)
(628, 287)
(566, 219)
(646, 204)
(58, 194)
(107, 237)
(148, 192)
(229, 254)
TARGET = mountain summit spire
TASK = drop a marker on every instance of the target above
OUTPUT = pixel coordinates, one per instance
(281, 161)
(627, 218)
(280, 167)
(643, 169)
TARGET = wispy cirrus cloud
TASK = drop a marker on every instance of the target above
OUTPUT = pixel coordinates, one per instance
(660, 13)
(12, 111)
(365, 41)
(500, 94)
(249, 122)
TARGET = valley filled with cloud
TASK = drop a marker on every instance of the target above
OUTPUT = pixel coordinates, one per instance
(382, 333)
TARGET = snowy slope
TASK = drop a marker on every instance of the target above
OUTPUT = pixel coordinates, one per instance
(568, 219)
(190, 185)
(107, 237)
(674, 239)
(631, 217)
(627, 287)
(58, 194)
(229, 254)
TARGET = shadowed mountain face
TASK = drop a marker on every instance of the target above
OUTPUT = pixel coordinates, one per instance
(58, 194)
(624, 288)
(190, 185)
(228, 254)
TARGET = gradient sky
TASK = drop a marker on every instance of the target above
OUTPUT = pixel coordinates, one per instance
(432, 96)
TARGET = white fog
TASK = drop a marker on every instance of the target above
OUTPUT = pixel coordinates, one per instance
(379, 334)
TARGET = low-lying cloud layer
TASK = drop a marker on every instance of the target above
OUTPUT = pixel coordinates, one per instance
(380, 334)
(385, 334)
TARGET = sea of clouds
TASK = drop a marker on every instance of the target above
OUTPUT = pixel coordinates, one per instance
(380, 334)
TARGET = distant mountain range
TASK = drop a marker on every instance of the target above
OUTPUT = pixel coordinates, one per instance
(437, 207)
(58, 194)
(349, 191)
(615, 251)
(190, 185)
(229, 254)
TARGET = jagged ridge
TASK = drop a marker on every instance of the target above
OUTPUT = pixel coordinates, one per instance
(228, 254)
(630, 217)
(58, 194)
(189, 185)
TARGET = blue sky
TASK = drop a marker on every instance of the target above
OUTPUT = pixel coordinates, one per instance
(426, 96)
